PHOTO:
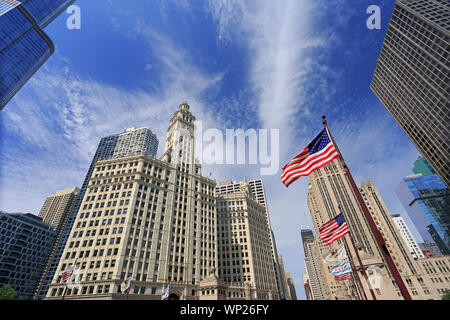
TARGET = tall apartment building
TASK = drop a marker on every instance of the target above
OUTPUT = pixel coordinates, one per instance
(426, 199)
(306, 286)
(56, 211)
(148, 219)
(257, 187)
(145, 143)
(291, 286)
(315, 286)
(407, 236)
(411, 78)
(25, 243)
(24, 46)
(56, 207)
(244, 247)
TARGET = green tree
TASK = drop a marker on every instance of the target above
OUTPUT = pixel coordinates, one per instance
(8, 293)
(446, 295)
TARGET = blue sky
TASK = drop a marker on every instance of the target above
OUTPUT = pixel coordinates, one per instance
(239, 64)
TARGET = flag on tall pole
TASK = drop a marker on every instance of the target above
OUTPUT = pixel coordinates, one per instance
(315, 155)
(334, 229)
(373, 228)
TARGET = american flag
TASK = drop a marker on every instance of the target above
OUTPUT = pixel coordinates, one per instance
(317, 154)
(333, 230)
(341, 277)
(67, 274)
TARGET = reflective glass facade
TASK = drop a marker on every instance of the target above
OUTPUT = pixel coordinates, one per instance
(25, 243)
(24, 46)
(427, 201)
(45, 11)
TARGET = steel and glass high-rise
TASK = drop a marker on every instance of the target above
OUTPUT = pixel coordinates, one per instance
(25, 244)
(426, 199)
(24, 46)
(412, 77)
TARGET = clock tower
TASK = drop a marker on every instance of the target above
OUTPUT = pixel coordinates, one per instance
(180, 139)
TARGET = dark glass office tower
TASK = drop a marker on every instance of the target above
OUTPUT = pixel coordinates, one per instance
(412, 77)
(426, 199)
(25, 243)
(24, 46)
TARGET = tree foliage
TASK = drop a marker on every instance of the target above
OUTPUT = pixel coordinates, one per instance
(446, 295)
(8, 293)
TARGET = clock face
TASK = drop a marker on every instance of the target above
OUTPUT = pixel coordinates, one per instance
(187, 129)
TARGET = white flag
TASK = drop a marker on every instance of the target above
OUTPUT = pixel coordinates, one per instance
(335, 255)
(125, 285)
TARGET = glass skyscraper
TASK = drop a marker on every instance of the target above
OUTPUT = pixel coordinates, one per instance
(426, 199)
(412, 77)
(24, 46)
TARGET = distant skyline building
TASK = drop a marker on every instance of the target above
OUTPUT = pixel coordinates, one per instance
(411, 77)
(315, 285)
(244, 248)
(25, 244)
(430, 249)
(407, 236)
(24, 46)
(287, 295)
(291, 286)
(56, 207)
(426, 199)
(145, 143)
(307, 235)
(306, 286)
(55, 211)
(258, 191)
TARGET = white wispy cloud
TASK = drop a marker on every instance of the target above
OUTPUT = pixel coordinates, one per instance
(280, 46)
(56, 133)
(63, 115)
